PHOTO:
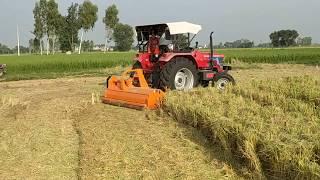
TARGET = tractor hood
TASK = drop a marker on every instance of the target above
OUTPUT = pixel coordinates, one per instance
(174, 28)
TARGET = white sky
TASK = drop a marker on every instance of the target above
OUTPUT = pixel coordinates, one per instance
(230, 19)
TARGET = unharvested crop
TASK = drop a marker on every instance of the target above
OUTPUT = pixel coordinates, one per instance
(61, 65)
(274, 56)
(35, 67)
(270, 126)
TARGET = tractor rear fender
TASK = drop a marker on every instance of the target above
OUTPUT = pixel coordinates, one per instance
(197, 57)
(169, 56)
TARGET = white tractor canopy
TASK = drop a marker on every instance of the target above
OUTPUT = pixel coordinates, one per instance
(183, 28)
(173, 28)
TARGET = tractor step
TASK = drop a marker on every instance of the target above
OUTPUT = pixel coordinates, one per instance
(207, 75)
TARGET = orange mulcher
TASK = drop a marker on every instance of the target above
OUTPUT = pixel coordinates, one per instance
(132, 90)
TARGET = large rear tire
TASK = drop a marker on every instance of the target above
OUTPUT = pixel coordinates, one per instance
(179, 74)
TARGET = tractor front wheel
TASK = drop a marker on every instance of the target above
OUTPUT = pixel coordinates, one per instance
(179, 74)
(222, 80)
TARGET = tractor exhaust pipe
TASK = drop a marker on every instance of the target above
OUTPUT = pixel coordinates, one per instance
(211, 49)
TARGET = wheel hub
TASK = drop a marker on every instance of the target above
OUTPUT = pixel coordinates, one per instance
(184, 79)
(222, 83)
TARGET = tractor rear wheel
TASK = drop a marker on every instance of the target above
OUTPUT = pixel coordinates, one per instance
(222, 80)
(179, 74)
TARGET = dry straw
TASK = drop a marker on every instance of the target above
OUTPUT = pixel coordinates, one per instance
(271, 127)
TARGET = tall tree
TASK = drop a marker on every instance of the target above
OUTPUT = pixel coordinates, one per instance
(39, 24)
(43, 12)
(275, 39)
(123, 36)
(31, 45)
(70, 26)
(284, 38)
(305, 41)
(88, 46)
(5, 49)
(36, 45)
(110, 20)
(53, 18)
(88, 17)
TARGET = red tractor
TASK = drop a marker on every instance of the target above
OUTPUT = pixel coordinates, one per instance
(166, 60)
(169, 61)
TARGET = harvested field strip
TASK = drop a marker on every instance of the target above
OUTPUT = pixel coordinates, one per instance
(37, 137)
(271, 127)
(118, 143)
(36, 144)
(43, 136)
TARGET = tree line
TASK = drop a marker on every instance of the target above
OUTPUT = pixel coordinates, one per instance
(55, 30)
(282, 38)
(4, 49)
(286, 38)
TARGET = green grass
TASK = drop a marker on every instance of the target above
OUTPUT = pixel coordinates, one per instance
(287, 55)
(52, 66)
(271, 126)
(93, 64)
